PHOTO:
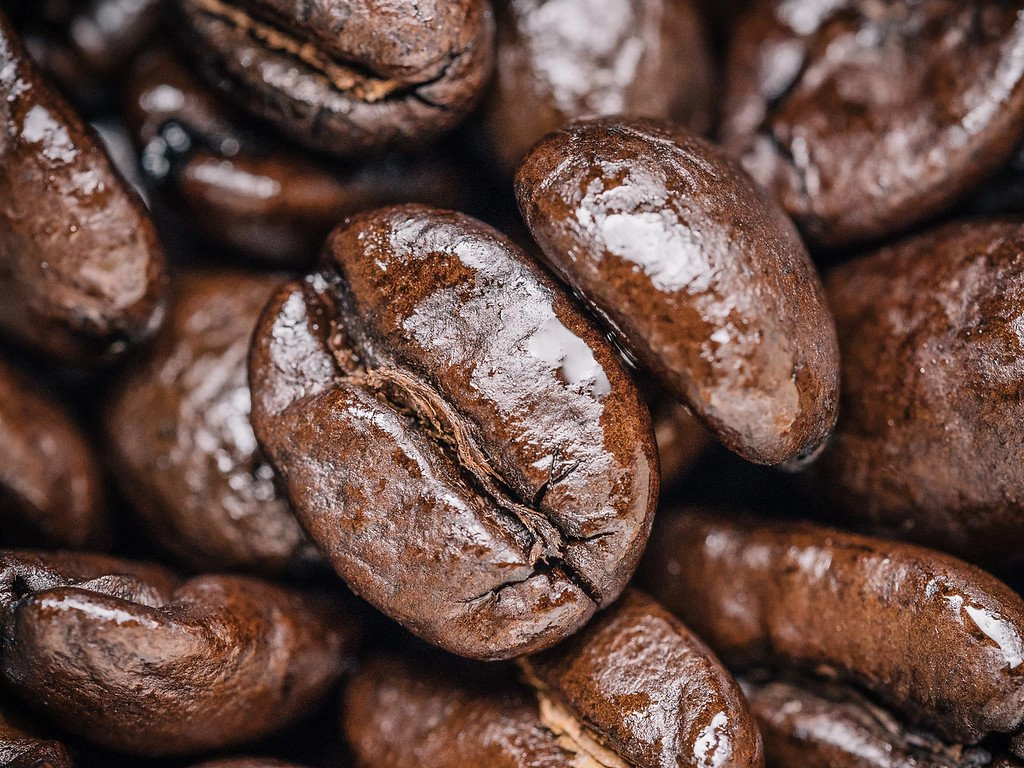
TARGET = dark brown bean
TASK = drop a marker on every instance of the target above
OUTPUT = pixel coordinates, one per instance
(938, 640)
(80, 268)
(130, 659)
(20, 747)
(460, 440)
(50, 486)
(681, 438)
(179, 428)
(702, 280)
(864, 118)
(932, 422)
(566, 59)
(348, 76)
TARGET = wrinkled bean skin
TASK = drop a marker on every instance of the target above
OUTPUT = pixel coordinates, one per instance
(866, 118)
(133, 661)
(930, 427)
(938, 640)
(705, 282)
(829, 725)
(559, 60)
(519, 459)
(252, 193)
(51, 490)
(450, 717)
(178, 425)
(21, 749)
(81, 271)
(648, 690)
(369, 74)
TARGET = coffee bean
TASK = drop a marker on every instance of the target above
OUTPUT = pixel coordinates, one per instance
(681, 438)
(865, 118)
(50, 486)
(702, 280)
(936, 639)
(20, 747)
(130, 659)
(563, 59)
(347, 76)
(179, 428)
(80, 268)
(635, 688)
(931, 424)
(253, 193)
(454, 433)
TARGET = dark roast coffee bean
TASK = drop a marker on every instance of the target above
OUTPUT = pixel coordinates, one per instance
(179, 428)
(21, 748)
(129, 659)
(681, 438)
(699, 277)
(563, 59)
(939, 640)
(348, 76)
(635, 688)
(825, 724)
(50, 487)
(864, 118)
(81, 272)
(454, 433)
(252, 193)
(932, 420)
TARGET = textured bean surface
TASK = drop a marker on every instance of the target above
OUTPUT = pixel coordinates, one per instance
(939, 640)
(346, 76)
(80, 268)
(454, 433)
(702, 280)
(930, 430)
(128, 658)
(179, 427)
(565, 59)
(866, 117)
(637, 683)
(50, 486)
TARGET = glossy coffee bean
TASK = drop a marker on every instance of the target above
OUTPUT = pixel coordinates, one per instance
(705, 282)
(179, 428)
(938, 640)
(347, 76)
(931, 418)
(252, 193)
(131, 659)
(825, 724)
(635, 688)
(457, 437)
(80, 268)
(681, 438)
(865, 118)
(563, 59)
(20, 747)
(51, 491)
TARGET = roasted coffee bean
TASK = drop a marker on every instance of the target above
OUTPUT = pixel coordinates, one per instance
(21, 748)
(706, 283)
(864, 118)
(681, 438)
(347, 76)
(50, 486)
(938, 640)
(127, 658)
(563, 59)
(80, 268)
(635, 688)
(252, 193)
(459, 439)
(179, 428)
(821, 723)
(932, 420)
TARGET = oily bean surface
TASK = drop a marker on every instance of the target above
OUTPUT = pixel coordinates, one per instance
(457, 437)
